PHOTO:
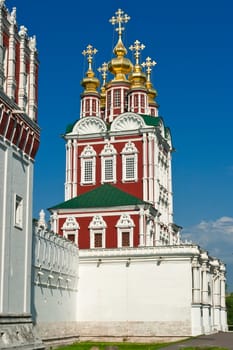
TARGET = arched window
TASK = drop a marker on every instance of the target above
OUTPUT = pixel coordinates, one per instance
(129, 162)
(88, 165)
(108, 164)
(125, 227)
(70, 229)
(97, 229)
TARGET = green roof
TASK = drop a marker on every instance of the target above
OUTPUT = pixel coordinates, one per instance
(103, 196)
(69, 127)
(149, 120)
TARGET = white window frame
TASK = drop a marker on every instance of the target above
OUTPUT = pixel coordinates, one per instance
(108, 153)
(125, 224)
(88, 155)
(129, 152)
(97, 225)
(18, 211)
(71, 227)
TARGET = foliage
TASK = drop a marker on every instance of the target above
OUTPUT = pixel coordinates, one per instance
(204, 348)
(229, 306)
(112, 346)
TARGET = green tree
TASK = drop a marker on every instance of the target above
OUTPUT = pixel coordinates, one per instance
(229, 306)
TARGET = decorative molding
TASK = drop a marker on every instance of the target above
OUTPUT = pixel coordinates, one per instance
(108, 150)
(89, 125)
(128, 121)
(97, 222)
(125, 221)
(70, 224)
(129, 148)
(87, 152)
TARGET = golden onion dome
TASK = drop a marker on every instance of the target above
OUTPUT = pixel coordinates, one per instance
(90, 82)
(120, 65)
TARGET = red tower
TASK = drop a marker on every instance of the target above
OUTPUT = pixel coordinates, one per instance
(118, 189)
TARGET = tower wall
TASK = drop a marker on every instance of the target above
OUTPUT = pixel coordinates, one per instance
(19, 141)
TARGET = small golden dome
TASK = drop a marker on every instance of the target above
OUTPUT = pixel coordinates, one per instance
(120, 65)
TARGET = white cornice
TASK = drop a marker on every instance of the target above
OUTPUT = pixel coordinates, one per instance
(89, 125)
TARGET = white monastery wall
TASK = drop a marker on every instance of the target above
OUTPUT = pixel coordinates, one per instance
(136, 293)
(55, 282)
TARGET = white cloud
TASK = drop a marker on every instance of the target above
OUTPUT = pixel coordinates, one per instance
(214, 236)
(217, 238)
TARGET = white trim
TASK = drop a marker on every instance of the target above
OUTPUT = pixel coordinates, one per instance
(129, 162)
(71, 227)
(88, 155)
(96, 226)
(108, 153)
(125, 224)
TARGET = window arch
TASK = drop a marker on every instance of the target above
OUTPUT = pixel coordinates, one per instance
(97, 229)
(88, 165)
(108, 163)
(129, 162)
(70, 229)
(125, 227)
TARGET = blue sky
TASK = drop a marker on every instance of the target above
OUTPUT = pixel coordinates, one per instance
(191, 42)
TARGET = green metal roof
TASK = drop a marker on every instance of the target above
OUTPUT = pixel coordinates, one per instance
(149, 120)
(103, 196)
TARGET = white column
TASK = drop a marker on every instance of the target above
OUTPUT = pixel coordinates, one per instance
(196, 281)
(2, 78)
(156, 174)
(204, 284)
(22, 98)
(68, 170)
(205, 297)
(150, 156)
(141, 228)
(144, 175)
(170, 194)
(74, 182)
(11, 83)
(223, 314)
(32, 104)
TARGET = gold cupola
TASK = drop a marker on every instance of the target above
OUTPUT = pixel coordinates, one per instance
(119, 66)
(152, 93)
(138, 77)
(90, 82)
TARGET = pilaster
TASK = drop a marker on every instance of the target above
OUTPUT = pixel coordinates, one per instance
(22, 98)
(11, 82)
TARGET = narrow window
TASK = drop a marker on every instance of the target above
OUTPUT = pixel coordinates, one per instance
(117, 98)
(130, 168)
(88, 165)
(97, 229)
(125, 239)
(129, 162)
(88, 174)
(18, 211)
(108, 169)
(98, 240)
(108, 163)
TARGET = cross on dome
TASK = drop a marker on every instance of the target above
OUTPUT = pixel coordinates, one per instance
(137, 47)
(148, 64)
(119, 19)
(89, 52)
(103, 70)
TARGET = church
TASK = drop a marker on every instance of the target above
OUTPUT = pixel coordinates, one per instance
(111, 265)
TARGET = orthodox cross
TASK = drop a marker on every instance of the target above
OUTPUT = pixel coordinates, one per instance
(119, 19)
(103, 70)
(137, 47)
(148, 64)
(89, 52)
